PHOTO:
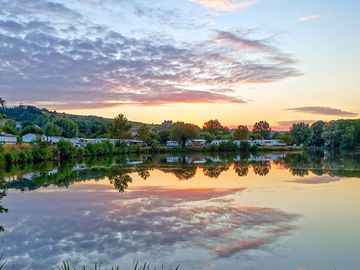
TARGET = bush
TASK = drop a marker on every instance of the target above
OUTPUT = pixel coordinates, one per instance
(10, 158)
(66, 149)
(41, 151)
(245, 147)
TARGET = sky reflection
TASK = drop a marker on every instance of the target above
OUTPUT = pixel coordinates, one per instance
(81, 226)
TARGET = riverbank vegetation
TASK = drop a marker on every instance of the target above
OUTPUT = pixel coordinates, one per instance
(22, 120)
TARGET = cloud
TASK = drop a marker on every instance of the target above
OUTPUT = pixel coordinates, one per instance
(61, 59)
(312, 17)
(285, 125)
(90, 221)
(323, 111)
(236, 41)
(227, 5)
(315, 180)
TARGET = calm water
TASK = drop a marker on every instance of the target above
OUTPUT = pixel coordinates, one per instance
(273, 212)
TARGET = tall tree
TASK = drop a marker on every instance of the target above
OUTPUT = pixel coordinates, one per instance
(262, 129)
(119, 128)
(213, 126)
(300, 133)
(2, 103)
(242, 133)
(317, 129)
(182, 132)
(51, 129)
(68, 127)
(144, 133)
(347, 140)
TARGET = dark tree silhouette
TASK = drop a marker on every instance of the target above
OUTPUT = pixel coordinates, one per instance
(215, 171)
(119, 179)
(241, 170)
(261, 168)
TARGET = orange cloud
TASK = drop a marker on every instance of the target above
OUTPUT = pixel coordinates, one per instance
(227, 4)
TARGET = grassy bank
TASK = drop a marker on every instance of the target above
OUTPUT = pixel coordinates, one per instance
(64, 150)
(68, 266)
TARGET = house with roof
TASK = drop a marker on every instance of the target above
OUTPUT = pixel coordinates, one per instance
(7, 138)
(195, 142)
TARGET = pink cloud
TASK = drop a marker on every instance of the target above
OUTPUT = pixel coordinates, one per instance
(227, 4)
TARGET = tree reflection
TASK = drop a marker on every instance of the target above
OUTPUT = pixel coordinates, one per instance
(143, 173)
(241, 169)
(261, 168)
(119, 178)
(215, 171)
(2, 195)
(182, 173)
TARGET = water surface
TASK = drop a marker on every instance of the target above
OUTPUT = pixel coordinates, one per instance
(273, 211)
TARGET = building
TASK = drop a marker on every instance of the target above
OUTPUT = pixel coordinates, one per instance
(172, 144)
(269, 143)
(129, 142)
(52, 139)
(218, 142)
(167, 123)
(31, 137)
(133, 132)
(7, 138)
(195, 142)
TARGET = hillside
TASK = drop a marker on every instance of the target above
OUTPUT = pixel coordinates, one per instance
(90, 126)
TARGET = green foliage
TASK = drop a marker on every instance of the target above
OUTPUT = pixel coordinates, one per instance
(242, 133)
(332, 134)
(317, 130)
(286, 137)
(41, 151)
(10, 158)
(213, 126)
(228, 146)
(245, 146)
(119, 128)
(68, 127)
(66, 149)
(300, 133)
(10, 123)
(144, 133)
(163, 135)
(347, 140)
(262, 129)
(9, 130)
(155, 146)
(31, 129)
(182, 132)
(51, 129)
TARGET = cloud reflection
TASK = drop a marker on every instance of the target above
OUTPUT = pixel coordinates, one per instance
(89, 222)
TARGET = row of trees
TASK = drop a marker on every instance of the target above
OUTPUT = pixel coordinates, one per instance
(181, 131)
(333, 134)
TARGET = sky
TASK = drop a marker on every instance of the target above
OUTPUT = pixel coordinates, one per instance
(238, 61)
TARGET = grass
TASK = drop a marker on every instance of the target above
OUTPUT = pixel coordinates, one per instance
(2, 263)
(137, 266)
(67, 266)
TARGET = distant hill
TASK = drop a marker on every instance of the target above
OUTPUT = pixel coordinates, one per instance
(91, 126)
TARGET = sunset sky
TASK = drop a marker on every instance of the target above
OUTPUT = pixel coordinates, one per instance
(189, 60)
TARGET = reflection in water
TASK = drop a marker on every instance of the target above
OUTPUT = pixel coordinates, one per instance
(2, 195)
(261, 168)
(91, 221)
(215, 171)
(119, 178)
(157, 220)
(183, 167)
(241, 169)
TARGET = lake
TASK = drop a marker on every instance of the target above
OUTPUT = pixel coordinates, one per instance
(270, 211)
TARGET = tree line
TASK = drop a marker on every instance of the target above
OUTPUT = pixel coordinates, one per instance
(333, 134)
